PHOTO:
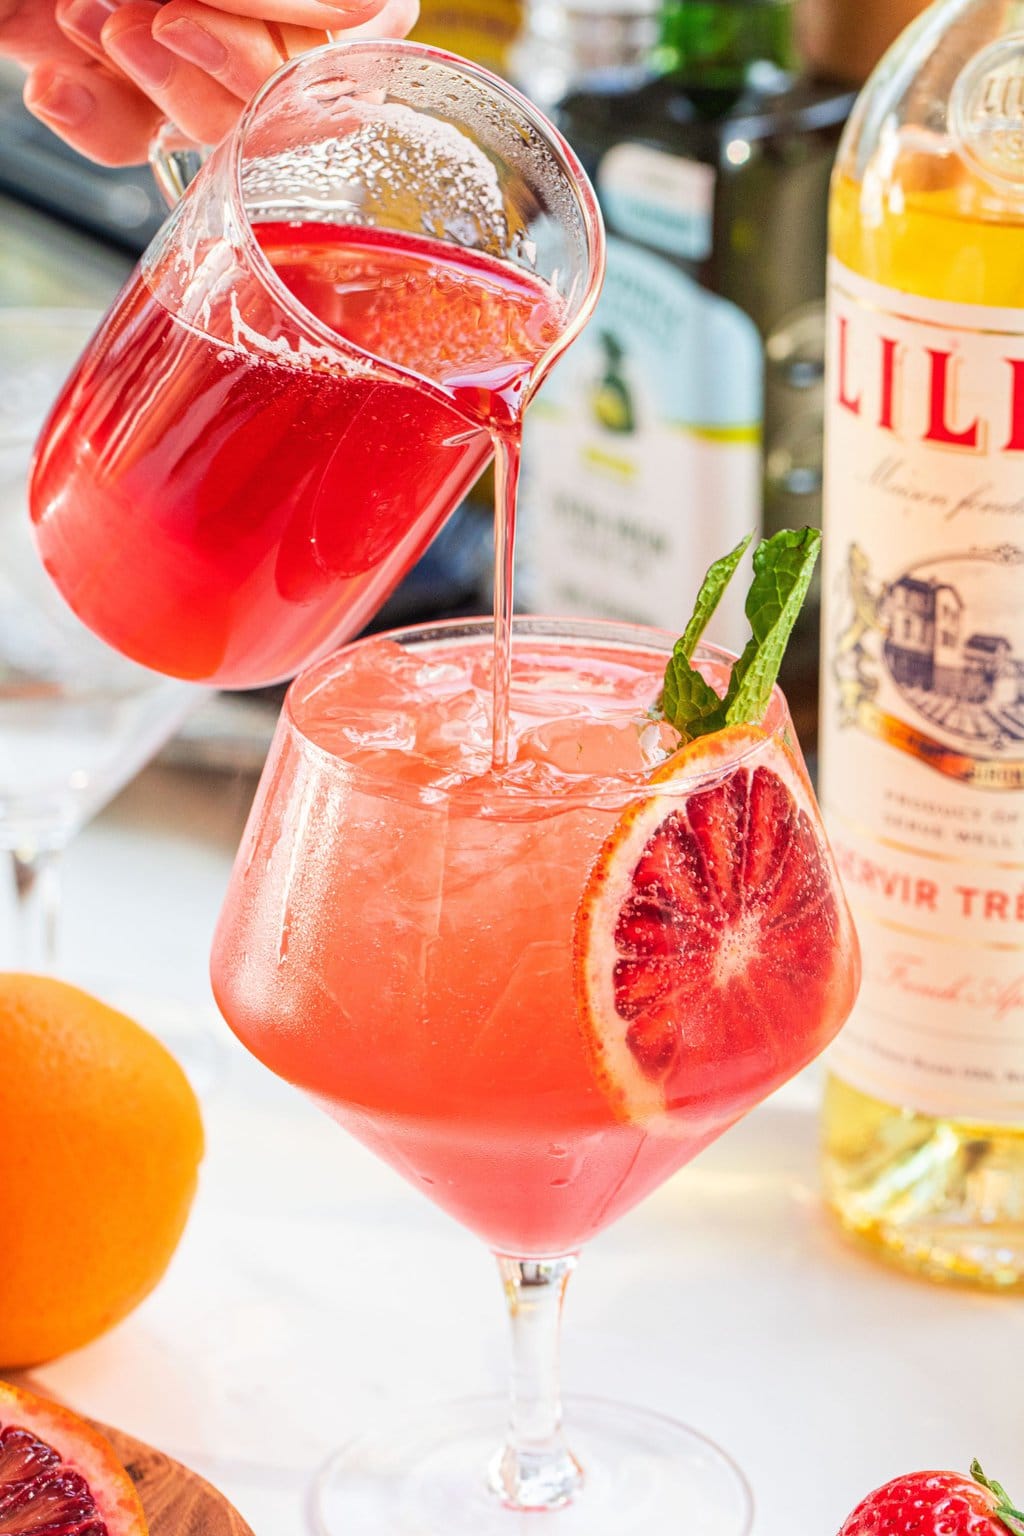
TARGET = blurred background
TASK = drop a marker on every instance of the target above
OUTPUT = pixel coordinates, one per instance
(689, 414)
(692, 410)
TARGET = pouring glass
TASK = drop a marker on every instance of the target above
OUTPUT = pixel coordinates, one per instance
(228, 488)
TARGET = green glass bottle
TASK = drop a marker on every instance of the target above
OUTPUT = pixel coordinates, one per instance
(712, 167)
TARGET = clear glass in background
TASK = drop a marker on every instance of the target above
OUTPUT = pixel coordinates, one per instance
(77, 720)
(266, 483)
(401, 939)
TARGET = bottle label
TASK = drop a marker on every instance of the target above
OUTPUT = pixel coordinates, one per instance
(923, 692)
(642, 456)
(659, 200)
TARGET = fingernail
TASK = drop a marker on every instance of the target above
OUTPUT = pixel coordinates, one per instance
(195, 44)
(146, 60)
(63, 101)
(85, 19)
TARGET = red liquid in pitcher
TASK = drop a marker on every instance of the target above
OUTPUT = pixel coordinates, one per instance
(227, 518)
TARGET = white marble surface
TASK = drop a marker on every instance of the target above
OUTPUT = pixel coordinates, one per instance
(314, 1291)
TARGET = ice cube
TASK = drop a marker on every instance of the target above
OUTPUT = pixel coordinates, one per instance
(617, 748)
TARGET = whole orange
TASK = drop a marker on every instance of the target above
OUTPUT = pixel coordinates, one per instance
(100, 1144)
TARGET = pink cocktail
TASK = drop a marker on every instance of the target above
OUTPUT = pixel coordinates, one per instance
(535, 991)
(264, 509)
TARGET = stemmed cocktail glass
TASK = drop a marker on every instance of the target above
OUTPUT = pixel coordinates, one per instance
(536, 991)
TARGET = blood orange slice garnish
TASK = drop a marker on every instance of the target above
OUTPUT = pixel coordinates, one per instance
(715, 955)
(58, 1476)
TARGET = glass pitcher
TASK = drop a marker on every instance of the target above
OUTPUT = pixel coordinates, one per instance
(364, 284)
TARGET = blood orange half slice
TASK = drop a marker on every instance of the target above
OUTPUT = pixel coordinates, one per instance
(715, 955)
(58, 1476)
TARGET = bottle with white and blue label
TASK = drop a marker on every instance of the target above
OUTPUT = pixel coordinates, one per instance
(690, 412)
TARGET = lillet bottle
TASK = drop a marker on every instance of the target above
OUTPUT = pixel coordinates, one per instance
(923, 635)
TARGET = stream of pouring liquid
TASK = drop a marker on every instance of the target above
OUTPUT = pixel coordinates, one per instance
(475, 326)
(507, 458)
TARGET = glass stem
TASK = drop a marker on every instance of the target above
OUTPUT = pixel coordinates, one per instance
(535, 1469)
(36, 874)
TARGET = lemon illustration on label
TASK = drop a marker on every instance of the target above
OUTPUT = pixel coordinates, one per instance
(612, 399)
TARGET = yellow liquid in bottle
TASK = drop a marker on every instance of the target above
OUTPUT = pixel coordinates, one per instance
(951, 238)
(941, 1197)
(483, 30)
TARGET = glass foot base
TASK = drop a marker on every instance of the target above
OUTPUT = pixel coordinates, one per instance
(643, 1474)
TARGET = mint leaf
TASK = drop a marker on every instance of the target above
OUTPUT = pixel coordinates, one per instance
(709, 597)
(689, 702)
(783, 567)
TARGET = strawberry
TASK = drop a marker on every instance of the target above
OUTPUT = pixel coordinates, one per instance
(936, 1504)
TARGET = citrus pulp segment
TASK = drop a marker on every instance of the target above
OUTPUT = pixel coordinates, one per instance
(713, 944)
(59, 1476)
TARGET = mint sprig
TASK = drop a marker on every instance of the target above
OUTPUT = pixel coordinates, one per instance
(783, 567)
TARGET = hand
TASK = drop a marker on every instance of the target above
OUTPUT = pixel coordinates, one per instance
(104, 75)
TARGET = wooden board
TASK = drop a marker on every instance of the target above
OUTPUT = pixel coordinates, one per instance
(177, 1502)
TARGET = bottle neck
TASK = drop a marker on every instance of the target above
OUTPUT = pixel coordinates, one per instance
(714, 44)
(566, 44)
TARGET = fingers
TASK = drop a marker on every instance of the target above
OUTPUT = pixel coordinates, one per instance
(82, 22)
(397, 19)
(29, 34)
(202, 108)
(337, 16)
(103, 117)
(104, 74)
(238, 52)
